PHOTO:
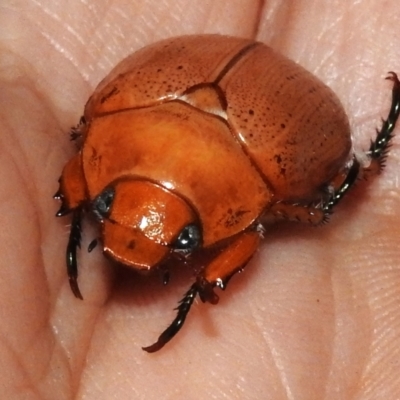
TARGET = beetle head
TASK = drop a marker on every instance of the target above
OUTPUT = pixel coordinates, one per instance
(142, 223)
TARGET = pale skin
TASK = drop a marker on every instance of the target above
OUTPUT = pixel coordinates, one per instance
(316, 313)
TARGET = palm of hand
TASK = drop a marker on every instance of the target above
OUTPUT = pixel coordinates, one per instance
(314, 302)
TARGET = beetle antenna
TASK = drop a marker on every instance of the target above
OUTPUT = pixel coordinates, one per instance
(73, 243)
(183, 308)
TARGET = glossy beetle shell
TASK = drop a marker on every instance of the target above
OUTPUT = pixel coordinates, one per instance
(226, 123)
(289, 124)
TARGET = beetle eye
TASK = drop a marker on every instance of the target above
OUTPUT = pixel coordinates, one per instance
(189, 239)
(102, 203)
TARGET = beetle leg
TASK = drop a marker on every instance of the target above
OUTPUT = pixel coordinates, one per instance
(298, 213)
(176, 325)
(379, 148)
(337, 194)
(231, 260)
(73, 243)
(377, 152)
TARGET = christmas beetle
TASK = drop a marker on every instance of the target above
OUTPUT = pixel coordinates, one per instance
(188, 144)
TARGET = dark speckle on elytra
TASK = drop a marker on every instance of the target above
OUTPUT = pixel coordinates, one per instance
(131, 245)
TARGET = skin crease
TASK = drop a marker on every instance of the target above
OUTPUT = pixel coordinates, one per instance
(316, 315)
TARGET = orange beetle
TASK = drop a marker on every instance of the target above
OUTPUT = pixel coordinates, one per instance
(190, 142)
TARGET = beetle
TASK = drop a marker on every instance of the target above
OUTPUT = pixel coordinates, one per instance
(189, 143)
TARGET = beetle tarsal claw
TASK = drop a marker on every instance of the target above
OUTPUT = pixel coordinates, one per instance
(74, 242)
(183, 309)
(75, 288)
(206, 290)
(58, 195)
(62, 211)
